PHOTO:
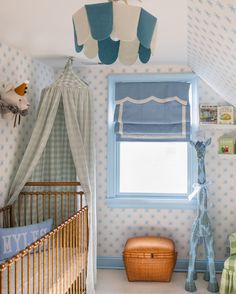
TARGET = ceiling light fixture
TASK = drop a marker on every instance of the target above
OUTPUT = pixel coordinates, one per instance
(114, 30)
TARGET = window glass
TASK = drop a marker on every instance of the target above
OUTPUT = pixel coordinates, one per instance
(153, 167)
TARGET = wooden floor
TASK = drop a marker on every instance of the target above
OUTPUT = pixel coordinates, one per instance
(115, 282)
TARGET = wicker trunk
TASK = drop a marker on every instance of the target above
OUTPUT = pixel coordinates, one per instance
(149, 259)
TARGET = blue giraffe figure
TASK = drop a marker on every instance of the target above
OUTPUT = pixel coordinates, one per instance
(201, 230)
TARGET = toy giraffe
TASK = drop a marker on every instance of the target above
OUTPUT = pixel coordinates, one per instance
(201, 230)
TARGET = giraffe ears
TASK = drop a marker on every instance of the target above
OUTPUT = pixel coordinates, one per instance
(208, 142)
(192, 143)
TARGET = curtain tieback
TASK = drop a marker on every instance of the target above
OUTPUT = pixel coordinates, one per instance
(197, 188)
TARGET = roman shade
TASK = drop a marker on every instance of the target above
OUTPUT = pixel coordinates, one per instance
(152, 111)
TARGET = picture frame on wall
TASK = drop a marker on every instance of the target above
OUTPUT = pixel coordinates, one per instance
(227, 145)
(225, 115)
(208, 114)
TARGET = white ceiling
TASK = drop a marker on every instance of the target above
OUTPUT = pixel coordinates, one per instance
(44, 28)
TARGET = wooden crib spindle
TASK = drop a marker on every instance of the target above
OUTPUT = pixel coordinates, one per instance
(28, 272)
(80, 252)
(53, 264)
(68, 255)
(9, 276)
(19, 209)
(56, 276)
(16, 273)
(37, 206)
(34, 270)
(68, 203)
(48, 275)
(39, 267)
(22, 272)
(25, 210)
(61, 255)
(73, 254)
(31, 208)
(44, 265)
(64, 256)
(49, 205)
(75, 198)
(55, 211)
(2, 268)
(43, 205)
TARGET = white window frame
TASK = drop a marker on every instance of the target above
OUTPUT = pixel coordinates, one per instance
(148, 200)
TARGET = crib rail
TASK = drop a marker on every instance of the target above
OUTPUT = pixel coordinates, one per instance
(6, 216)
(44, 205)
(36, 206)
(57, 262)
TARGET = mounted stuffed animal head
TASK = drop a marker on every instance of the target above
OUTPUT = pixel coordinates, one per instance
(14, 102)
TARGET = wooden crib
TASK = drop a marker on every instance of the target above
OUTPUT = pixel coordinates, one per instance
(57, 262)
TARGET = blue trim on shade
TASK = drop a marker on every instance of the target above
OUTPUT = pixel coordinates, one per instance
(108, 50)
(146, 27)
(144, 54)
(161, 89)
(116, 262)
(116, 200)
(100, 18)
(78, 48)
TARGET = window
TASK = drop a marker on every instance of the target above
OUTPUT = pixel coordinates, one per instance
(150, 164)
(148, 167)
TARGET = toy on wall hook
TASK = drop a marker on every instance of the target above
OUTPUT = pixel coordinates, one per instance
(13, 102)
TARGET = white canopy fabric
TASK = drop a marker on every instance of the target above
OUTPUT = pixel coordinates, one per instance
(62, 148)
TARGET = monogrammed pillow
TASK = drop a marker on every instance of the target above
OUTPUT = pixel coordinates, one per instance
(13, 240)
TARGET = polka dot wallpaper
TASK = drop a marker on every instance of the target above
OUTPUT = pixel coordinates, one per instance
(212, 43)
(115, 226)
(15, 67)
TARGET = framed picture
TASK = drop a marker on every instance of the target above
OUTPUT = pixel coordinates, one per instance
(208, 114)
(227, 145)
(225, 115)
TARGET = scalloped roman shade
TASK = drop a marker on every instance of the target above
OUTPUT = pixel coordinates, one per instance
(152, 111)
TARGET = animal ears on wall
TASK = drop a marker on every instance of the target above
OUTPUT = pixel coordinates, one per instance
(8, 88)
(20, 90)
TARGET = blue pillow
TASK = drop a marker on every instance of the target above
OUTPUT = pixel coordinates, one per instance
(13, 240)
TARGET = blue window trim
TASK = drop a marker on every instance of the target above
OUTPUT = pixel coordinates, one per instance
(135, 200)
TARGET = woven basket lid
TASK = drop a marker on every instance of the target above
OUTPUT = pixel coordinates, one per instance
(149, 244)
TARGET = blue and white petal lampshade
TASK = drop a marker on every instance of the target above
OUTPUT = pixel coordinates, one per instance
(114, 30)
